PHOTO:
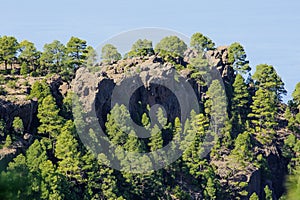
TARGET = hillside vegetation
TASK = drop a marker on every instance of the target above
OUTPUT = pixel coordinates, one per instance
(256, 155)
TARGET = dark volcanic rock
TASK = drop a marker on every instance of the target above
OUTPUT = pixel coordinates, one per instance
(25, 110)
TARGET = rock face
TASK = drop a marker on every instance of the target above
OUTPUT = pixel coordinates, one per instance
(96, 89)
(25, 110)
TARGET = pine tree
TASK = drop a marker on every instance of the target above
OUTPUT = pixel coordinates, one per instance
(193, 156)
(242, 148)
(66, 150)
(270, 88)
(117, 124)
(293, 184)
(263, 115)
(50, 185)
(141, 48)
(216, 106)
(50, 121)
(201, 43)
(110, 53)
(156, 140)
(53, 58)
(39, 90)
(8, 141)
(268, 193)
(18, 125)
(240, 103)
(19, 183)
(98, 177)
(91, 57)
(76, 51)
(254, 197)
(200, 70)
(171, 45)
(267, 78)
(2, 127)
(296, 95)
(210, 190)
(8, 49)
(29, 55)
(237, 57)
(145, 121)
(35, 155)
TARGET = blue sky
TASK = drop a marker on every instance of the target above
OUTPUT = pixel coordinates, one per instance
(268, 29)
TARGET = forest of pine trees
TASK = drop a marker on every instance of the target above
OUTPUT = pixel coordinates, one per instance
(56, 165)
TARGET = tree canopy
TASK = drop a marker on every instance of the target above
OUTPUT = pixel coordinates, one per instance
(201, 43)
(110, 53)
(172, 45)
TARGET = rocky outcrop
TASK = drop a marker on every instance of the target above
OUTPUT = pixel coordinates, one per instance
(26, 110)
(96, 89)
(58, 88)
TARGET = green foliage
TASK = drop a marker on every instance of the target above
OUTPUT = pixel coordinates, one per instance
(240, 101)
(237, 57)
(242, 148)
(264, 106)
(171, 45)
(200, 70)
(50, 121)
(8, 141)
(66, 150)
(29, 56)
(210, 190)
(2, 79)
(50, 181)
(57, 166)
(11, 186)
(91, 56)
(24, 69)
(296, 95)
(2, 127)
(35, 155)
(254, 197)
(267, 78)
(18, 125)
(39, 90)
(117, 124)
(201, 43)
(293, 185)
(179, 193)
(8, 49)
(263, 110)
(53, 58)
(197, 126)
(67, 105)
(3, 91)
(216, 104)
(141, 48)
(268, 193)
(291, 119)
(156, 140)
(110, 53)
(12, 84)
(76, 51)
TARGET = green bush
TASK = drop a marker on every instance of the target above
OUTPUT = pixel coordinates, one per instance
(12, 84)
(34, 74)
(24, 69)
(8, 141)
(2, 91)
(2, 79)
(14, 72)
